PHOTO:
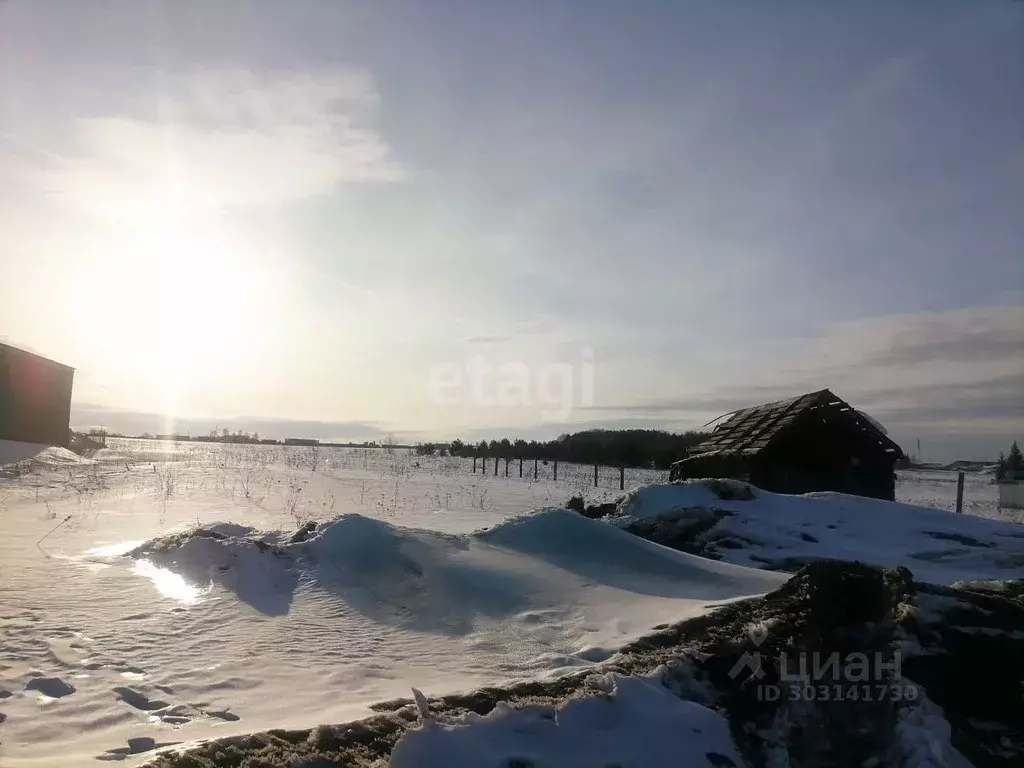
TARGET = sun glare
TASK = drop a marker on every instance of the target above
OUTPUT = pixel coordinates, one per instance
(171, 304)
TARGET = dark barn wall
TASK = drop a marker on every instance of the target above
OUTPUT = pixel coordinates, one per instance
(35, 398)
(824, 450)
(711, 466)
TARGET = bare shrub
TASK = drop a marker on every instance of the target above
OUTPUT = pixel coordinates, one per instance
(293, 502)
(313, 457)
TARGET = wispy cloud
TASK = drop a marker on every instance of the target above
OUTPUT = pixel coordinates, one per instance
(220, 138)
(971, 335)
(488, 339)
(962, 368)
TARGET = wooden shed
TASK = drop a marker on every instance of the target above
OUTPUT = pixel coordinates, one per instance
(815, 442)
(35, 398)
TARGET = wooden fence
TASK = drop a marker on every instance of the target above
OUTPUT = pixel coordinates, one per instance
(496, 462)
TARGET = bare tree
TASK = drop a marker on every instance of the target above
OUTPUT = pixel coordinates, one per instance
(389, 443)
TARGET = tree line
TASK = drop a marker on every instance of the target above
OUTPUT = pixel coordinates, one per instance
(647, 448)
(1012, 464)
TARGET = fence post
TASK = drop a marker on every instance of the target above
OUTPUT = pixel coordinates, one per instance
(622, 478)
(483, 465)
(506, 466)
(556, 469)
(495, 466)
(535, 469)
(520, 466)
(595, 475)
(474, 465)
(960, 493)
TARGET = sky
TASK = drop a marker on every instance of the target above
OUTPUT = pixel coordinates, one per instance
(478, 219)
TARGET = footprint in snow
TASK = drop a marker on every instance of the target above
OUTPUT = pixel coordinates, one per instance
(139, 700)
(51, 687)
(222, 714)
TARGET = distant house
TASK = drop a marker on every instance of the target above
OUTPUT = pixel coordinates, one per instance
(815, 442)
(35, 398)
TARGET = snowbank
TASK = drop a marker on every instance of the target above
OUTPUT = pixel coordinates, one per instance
(639, 724)
(742, 524)
(424, 580)
(35, 453)
(236, 557)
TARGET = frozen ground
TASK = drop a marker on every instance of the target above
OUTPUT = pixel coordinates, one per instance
(118, 638)
(118, 635)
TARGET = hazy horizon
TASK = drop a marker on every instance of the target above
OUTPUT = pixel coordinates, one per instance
(481, 220)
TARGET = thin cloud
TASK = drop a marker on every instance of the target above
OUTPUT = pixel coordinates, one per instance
(962, 366)
(487, 339)
(972, 335)
(225, 138)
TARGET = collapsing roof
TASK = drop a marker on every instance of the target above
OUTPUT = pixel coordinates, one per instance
(749, 431)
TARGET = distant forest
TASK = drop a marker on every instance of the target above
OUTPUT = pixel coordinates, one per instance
(649, 448)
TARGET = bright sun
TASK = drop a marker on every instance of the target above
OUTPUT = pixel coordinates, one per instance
(174, 304)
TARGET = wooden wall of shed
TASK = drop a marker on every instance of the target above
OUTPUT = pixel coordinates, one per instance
(825, 450)
(35, 398)
(711, 466)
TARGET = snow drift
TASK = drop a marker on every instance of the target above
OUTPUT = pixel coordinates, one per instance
(30, 455)
(738, 523)
(639, 723)
(434, 582)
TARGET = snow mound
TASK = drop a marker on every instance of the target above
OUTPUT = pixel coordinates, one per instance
(418, 579)
(606, 554)
(717, 518)
(257, 571)
(12, 452)
(638, 725)
(547, 564)
(658, 500)
(441, 582)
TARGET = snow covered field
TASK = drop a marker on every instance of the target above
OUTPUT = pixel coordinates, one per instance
(937, 488)
(117, 639)
(151, 595)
